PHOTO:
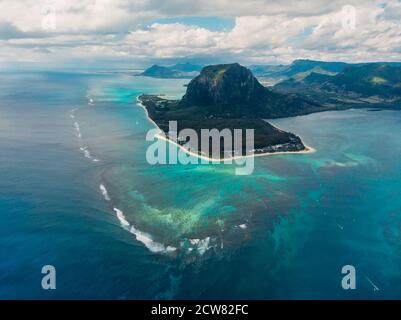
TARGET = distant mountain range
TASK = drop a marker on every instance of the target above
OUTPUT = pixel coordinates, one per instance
(177, 71)
(358, 85)
(298, 69)
(268, 74)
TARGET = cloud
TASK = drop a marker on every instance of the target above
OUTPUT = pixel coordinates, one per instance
(169, 40)
(10, 31)
(264, 31)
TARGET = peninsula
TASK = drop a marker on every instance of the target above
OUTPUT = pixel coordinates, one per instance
(229, 96)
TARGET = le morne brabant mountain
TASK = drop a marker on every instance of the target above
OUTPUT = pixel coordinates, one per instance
(229, 96)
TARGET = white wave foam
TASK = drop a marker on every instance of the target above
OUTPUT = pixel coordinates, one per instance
(347, 164)
(72, 115)
(78, 129)
(104, 192)
(149, 243)
(86, 152)
(141, 236)
(121, 218)
(202, 245)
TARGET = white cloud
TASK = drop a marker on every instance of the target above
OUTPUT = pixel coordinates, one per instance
(264, 31)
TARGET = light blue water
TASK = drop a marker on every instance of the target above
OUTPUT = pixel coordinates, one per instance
(283, 232)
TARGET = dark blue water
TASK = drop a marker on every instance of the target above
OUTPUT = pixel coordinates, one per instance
(283, 232)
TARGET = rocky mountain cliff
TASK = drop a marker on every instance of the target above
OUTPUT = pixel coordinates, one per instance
(232, 90)
(225, 84)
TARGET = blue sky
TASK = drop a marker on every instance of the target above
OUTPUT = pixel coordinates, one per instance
(212, 23)
(123, 33)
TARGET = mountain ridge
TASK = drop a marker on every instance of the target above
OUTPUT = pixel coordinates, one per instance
(362, 85)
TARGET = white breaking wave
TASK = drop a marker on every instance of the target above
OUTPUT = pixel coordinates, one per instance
(149, 243)
(104, 192)
(121, 218)
(72, 115)
(202, 245)
(84, 149)
(140, 236)
(76, 124)
(78, 129)
(86, 152)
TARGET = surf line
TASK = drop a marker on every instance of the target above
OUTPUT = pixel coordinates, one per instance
(83, 148)
(141, 236)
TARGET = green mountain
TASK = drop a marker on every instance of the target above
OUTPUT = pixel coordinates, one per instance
(305, 65)
(362, 85)
(232, 90)
(369, 79)
(298, 69)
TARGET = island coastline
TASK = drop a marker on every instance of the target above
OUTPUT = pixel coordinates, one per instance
(162, 136)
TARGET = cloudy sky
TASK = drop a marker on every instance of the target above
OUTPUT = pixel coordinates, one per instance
(135, 33)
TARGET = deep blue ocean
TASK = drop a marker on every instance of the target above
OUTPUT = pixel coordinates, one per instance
(76, 192)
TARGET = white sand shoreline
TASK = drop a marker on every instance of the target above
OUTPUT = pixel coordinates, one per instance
(161, 135)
